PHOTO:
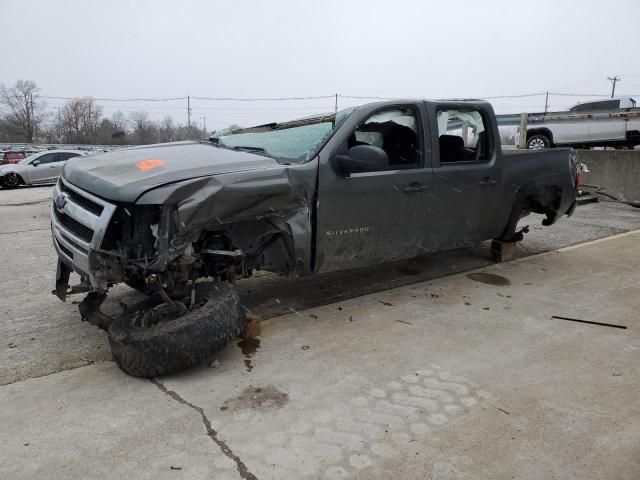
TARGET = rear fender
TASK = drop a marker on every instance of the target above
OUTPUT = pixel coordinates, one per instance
(534, 199)
(540, 131)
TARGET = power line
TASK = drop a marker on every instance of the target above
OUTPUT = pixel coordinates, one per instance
(188, 111)
(316, 97)
(260, 99)
(365, 98)
(116, 99)
(514, 96)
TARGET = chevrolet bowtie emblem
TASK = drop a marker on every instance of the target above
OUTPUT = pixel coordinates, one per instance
(61, 201)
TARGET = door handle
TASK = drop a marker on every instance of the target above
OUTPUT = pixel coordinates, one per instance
(487, 182)
(414, 187)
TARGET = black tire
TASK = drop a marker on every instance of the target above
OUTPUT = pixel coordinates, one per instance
(137, 284)
(11, 180)
(177, 344)
(538, 142)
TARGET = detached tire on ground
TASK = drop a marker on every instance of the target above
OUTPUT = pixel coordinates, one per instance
(177, 343)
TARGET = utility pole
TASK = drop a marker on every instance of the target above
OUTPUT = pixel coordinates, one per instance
(204, 122)
(188, 111)
(614, 80)
(59, 126)
(546, 103)
(336, 107)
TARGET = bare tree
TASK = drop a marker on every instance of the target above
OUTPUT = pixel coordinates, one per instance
(7, 131)
(167, 129)
(119, 121)
(119, 125)
(25, 110)
(145, 131)
(105, 132)
(184, 132)
(80, 120)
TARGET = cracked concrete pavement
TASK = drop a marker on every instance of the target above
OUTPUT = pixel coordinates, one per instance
(442, 377)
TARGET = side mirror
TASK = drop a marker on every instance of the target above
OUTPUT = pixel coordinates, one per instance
(362, 158)
(35, 163)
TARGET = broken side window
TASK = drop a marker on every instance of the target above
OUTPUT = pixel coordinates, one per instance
(396, 132)
(463, 136)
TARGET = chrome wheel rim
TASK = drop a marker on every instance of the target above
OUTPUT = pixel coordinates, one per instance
(536, 144)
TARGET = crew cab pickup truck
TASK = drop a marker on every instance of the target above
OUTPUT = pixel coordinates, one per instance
(376, 183)
(603, 123)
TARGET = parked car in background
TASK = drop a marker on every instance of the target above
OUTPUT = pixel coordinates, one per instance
(39, 168)
(613, 122)
(10, 157)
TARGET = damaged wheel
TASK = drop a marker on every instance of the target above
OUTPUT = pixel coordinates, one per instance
(149, 340)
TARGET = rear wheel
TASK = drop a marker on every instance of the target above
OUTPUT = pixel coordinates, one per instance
(152, 338)
(538, 142)
(11, 180)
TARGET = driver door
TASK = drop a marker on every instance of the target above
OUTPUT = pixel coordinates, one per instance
(371, 217)
(46, 170)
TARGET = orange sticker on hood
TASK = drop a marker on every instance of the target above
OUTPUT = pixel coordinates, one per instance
(145, 165)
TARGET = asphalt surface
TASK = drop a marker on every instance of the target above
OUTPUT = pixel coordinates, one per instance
(40, 335)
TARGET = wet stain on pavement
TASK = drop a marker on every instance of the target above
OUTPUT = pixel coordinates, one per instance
(249, 347)
(489, 279)
(257, 398)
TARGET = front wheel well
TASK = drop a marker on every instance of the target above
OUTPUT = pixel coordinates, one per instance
(247, 246)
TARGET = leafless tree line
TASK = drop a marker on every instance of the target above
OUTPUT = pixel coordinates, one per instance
(23, 118)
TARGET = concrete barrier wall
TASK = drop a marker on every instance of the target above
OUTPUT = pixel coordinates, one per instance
(618, 171)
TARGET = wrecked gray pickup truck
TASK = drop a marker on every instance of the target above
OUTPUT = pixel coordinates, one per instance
(376, 183)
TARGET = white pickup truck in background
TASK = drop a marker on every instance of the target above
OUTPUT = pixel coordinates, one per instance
(605, 123)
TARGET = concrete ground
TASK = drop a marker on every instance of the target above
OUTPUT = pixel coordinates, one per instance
(446, 376)
(40, 335)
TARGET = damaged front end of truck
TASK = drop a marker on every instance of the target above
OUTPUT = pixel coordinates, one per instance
(180, 222)
(164, 217)
(183, 244)
(215, 228)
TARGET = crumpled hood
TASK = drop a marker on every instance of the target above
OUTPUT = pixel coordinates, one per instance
(124, 175)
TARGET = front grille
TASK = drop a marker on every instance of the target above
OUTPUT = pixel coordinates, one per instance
(81, 201)
(74, 244)
(79, 230)
(79, 227)
(67, 252)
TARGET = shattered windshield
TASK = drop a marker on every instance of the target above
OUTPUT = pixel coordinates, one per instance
(289, 142)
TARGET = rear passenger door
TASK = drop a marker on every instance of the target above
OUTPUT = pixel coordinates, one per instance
(467, 177)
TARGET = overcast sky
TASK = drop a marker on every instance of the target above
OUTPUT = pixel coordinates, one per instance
(130, 49)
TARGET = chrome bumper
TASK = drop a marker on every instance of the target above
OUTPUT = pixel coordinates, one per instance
(79, 222)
